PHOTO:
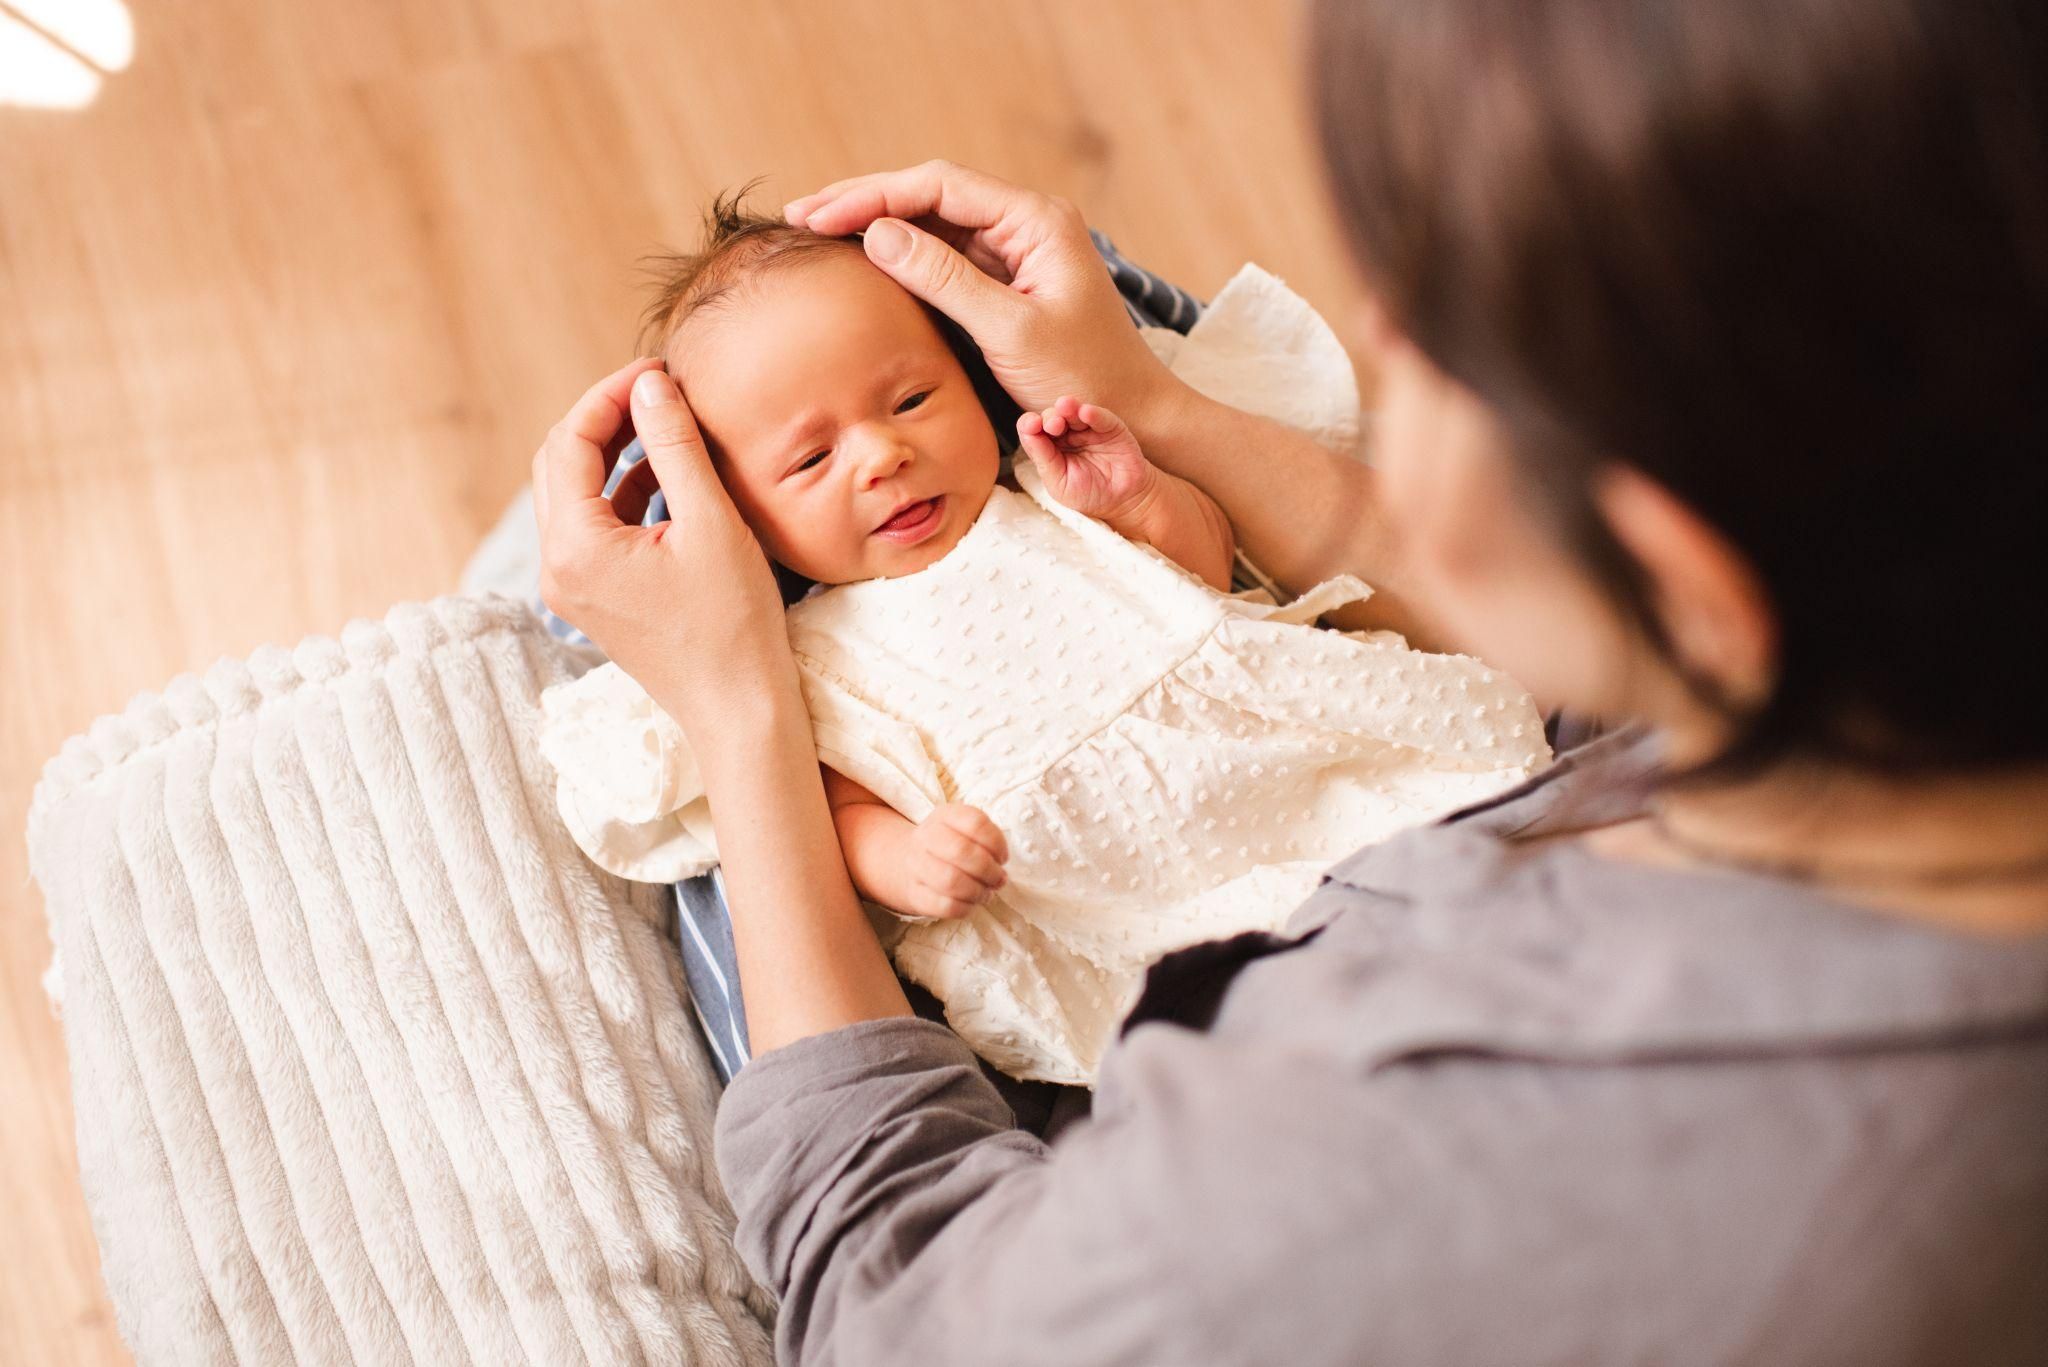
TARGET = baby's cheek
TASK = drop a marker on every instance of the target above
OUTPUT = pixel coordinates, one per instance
(839, 552)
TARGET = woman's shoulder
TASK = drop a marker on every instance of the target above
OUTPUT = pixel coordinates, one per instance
(1525, 1060)
(1634, 958)
(1497, 1139)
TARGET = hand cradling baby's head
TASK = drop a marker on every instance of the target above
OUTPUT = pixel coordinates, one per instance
(835, 407)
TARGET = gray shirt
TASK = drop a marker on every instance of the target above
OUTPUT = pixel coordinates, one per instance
(1483, 1104)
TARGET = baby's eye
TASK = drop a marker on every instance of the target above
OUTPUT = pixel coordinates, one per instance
(813, 459)
(913, 401)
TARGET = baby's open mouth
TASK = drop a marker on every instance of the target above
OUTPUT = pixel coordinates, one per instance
(912, 522)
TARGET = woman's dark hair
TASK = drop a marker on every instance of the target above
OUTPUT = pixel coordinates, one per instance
(1787, 257)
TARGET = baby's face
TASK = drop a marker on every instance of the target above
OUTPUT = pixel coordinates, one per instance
(845, 429)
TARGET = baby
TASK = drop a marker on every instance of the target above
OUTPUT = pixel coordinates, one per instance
(1055, 744)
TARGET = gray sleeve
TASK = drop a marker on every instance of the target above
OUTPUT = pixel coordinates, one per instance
(1248, 1205)
(1218, 1208)
(884, 1194)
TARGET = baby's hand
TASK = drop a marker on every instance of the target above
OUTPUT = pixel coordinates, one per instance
(956, 862)
(1089, 459)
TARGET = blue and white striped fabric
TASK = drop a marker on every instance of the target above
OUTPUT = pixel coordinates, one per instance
(703, 926)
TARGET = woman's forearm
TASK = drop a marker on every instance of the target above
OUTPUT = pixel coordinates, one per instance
(808, 959)
(1301, 512)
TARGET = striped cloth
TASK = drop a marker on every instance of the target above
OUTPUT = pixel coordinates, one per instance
(703, 925)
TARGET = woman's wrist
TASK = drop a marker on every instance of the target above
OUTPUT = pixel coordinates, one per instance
(735, 725)
(806, 952)
(1160, 408)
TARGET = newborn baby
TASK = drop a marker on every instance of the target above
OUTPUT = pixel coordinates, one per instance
(1054, 743)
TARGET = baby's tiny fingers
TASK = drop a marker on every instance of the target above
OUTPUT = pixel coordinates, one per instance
(932, 906)
(974, 823)
(990, 837)
(1036, 446)
(968, 857)
(1032, 440)
(959, 886)
(985, 871)
(1101, 419)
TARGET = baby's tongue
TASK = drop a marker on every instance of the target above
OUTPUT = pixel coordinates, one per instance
(907, 516)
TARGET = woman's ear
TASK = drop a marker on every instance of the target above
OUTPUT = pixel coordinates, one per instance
(1714, 606)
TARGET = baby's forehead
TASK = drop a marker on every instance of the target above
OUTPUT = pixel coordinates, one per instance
(816, 334)
(834, 305)
(782, 292)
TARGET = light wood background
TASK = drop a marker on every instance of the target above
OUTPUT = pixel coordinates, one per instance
(284, 314)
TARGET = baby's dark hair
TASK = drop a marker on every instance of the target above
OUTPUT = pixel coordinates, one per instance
(737, 243)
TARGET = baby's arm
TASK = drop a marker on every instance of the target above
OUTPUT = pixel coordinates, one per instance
(1091, 463)
(943, 866)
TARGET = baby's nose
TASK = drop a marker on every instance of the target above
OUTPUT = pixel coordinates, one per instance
(881, 457)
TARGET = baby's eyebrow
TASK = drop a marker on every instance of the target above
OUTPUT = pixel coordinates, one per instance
(803, 425)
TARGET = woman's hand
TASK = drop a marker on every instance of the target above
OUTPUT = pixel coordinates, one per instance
(687, 607)
(1014, 268)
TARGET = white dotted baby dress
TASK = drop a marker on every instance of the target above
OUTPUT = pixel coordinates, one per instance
(1169, 764)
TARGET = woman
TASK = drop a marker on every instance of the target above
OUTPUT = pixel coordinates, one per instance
(1711, 340)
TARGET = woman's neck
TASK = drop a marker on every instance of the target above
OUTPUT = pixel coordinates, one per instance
(1967, 852)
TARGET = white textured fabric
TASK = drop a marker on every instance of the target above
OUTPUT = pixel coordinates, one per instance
(1260, 347)
(369, 1066)
(1168, 764)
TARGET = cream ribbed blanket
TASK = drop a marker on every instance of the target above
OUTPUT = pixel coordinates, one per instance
(370, 1065)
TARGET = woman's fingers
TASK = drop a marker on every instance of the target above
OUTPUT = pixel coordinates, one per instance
(1010, 265)
(957, 194)
(943, 278)
(668, 432)
(635, 490)
(801, 208)
(569, 470)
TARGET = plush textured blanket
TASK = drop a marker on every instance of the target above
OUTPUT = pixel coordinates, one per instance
(370, 1065)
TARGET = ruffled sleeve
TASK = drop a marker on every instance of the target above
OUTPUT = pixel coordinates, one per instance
(626, 782)
(628, 788)
(883, 753)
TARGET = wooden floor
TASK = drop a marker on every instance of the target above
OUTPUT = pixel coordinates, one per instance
(284, 314)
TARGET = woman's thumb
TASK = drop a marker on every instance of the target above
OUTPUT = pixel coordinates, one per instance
(668, 431)
(937, 274)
